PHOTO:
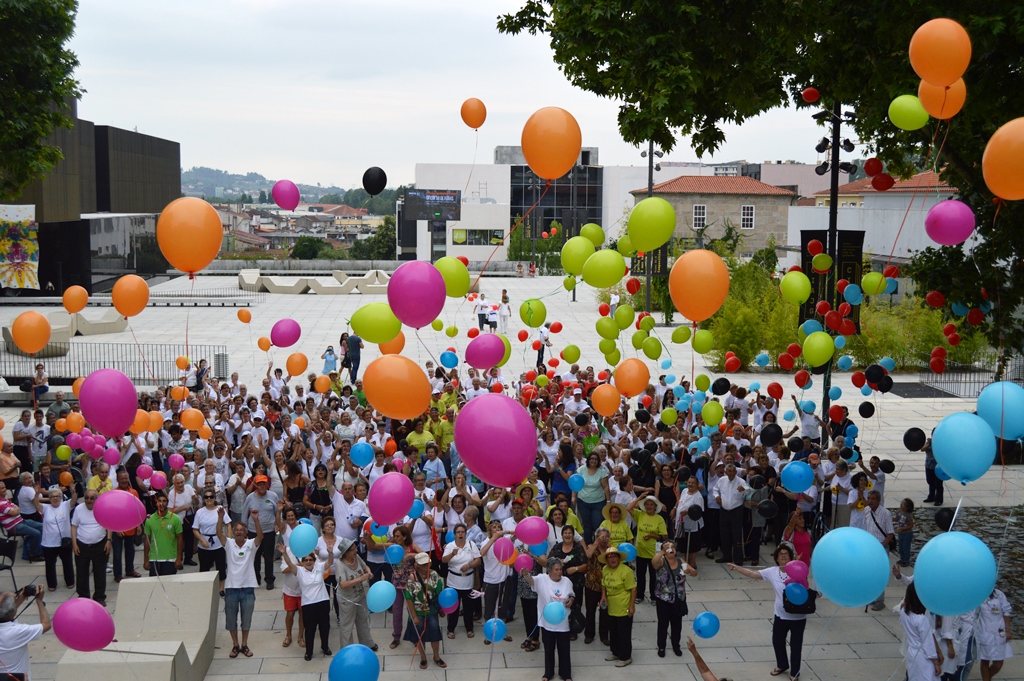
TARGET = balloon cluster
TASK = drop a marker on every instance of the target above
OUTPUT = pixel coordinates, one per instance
(940, 52)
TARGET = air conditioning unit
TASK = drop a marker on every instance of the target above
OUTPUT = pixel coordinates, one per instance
(221, 366)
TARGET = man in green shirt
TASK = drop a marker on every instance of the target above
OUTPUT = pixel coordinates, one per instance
(162, 545)
(618, 594)
(360, 395)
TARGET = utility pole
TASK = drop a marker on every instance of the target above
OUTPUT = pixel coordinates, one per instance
(832, 248)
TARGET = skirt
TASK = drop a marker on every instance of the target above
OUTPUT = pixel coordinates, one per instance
(694, 542)
(429, 630)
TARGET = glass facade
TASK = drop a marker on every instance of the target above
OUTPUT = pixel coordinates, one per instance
(574, 198)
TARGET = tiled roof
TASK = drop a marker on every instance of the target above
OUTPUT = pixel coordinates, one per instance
(247, 238)
(805, 202)
(926, 181)
(701, 184)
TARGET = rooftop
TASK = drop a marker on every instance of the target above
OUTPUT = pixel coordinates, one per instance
(926, 181)
(700, 184)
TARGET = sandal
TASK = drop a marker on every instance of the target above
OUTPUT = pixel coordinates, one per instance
(470, 634)
(423, 663)
(286, 642)
(440, 663)
(234, 652)
(394, 644)
(777, 671)
(246, 651)
(451, 634)
(302, 642)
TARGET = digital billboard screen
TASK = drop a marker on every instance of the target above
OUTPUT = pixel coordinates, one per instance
(432, 204)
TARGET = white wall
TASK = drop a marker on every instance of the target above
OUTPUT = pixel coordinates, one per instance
(489, 216)
(485, 180)
(619, 181)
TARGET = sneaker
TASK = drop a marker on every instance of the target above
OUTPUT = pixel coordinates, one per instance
(110, 568)
(624, 663)
(938, 503)
(611, 658)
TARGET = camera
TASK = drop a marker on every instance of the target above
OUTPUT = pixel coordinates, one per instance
(31, 590)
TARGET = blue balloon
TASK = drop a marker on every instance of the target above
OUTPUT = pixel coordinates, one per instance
(355, 662)
(811, 326)
(964, 446)
(395, 554)
(888, 363)
(835, 392)
(852, 430)
(796, 593)
(417, 508)
(810, 384)
(450, 537)
(850, 566)
(679, 391)
(448, 597)
(307, 521)
(839, 342)
(788, 415)
(808, 407)
(629, 550)
(540, 549)
(494, 630)
(954, 573)
(379, 530)
(554, 612)
(845, 362)
(755, 386)
(361, 454)
(797, 477)
(890, 285)
(985, 306)
(381, 596)
(762, 359)
(670, 379)
(703, 444)
(576, 482)
(708, 431)
(865, 390)
(449, 360)
(303, 540)
(853, 457)
(941, 474)
(706, 624)
(959, 309)
(1001, 404)
(853, 294)
(700, 396)
(666, 364)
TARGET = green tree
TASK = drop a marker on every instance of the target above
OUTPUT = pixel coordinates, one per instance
(380, 246)
(37, 85)
(308, 248)
(332, 198)
(263, 196)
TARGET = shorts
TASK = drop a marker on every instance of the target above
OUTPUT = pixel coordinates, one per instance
(292, 603)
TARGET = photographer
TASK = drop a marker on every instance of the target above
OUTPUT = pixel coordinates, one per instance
(15, 637)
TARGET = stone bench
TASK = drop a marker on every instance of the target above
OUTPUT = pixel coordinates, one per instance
(112, 321)
(249, 280)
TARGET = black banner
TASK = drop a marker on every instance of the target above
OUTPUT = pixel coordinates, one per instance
(848, 265)
(659, 259)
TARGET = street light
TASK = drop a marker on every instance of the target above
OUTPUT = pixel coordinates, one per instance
(822, 146)
(822, 169)
(848, 168)
(848, 146)
(650, 154)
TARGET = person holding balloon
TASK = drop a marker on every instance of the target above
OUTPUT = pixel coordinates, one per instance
(400, 552)
(555, 596)
(421, 592)
(316, 606)
(462, 557)
(56, 539)
(618, 595)
(15, 636)
(352, 575)
(669, 595)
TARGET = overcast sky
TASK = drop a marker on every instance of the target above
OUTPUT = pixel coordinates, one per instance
(319, 90)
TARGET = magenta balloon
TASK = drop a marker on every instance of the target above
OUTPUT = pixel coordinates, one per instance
(285, 333)
(83, 624)
(532, 530)
(109, 402)
(144, 471)
(73, 440)
(96, 452)
(176, 461)
(390, 498)
(119, 511)
(496, 439)
(796, 570)
(158, 480)
(111, 456)
(416, 293)
(85, 432)
(503, 548)
(485, 351)
(449, 610)
(286, 194)
(523, 562)
(949, 222)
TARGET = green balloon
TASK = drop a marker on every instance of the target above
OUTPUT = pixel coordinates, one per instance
(456, 276)
(606, 345)
(669, 416)
(437, 325)
(541, 380)
(652, 348)
(508, 350)
(604, 269)
(625, 246)
(624, 315)
(712, 413)
(821, 262)
(575, 253)
(594, 233)
(703, 341)
(647, 323)
(607, 328)
(569, 283)
(64, 452)
(872, 283)
(571, 354)
(376, 323)
(613, 358)
(681, 334)
(638, 339)
(451, 331)
(818, 348)
(907, 113)
(651, 223)
(532, 312)
(796, 287)
(702, 382)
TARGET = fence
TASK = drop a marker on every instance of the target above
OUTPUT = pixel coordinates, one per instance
(968, 380)
(145, 364)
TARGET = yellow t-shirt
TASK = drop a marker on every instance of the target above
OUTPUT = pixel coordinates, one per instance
(618, 585)
(647, 524)
(419, 440)
(620, 531)
(100, 486)
(444, 433)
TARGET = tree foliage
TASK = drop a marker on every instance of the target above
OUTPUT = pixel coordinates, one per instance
(308, 248)
(36, 85)
(380, 246)
(332, 199)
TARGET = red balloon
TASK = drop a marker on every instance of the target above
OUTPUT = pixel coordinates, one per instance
(473, 333)
(729, 354)
(556, 327)
(523, 335)
(785, 361)
(561, 354)
(949, 329)
(602, 375)
(550, 374)
(835, 413)
(536, 345)
(882, 182)
(553, 362)
(834, 320)
(463, 259)
(498, 387)
(733, 364)
(975, 316)
(633, 285)
(810, 95)
(646, 401)
(937, 364)
(847, 328)
(873, 386)
(935, 299)
(841, 285)
(604, 309)
(891, 272)
(939, 352)
(822, 307)
(795, 268)
(858, 379)
(872, 167)
(775, 391)
(794, 350)
(814, 247)
(953, 339)
(845, 308)
(531, 375)
(543, 235)
(802, 378)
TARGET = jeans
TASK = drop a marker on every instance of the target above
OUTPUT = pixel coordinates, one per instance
(935, 488)
(94, 557)
(126, 546)
(731, 527)
(795, 629)
(353, 371)
(32, 531)
(595, 613)
(236, 600)
(540, 356)
(51, 553)
(482, 320)
(556, 640)
(266, 550)
(40, 390)
(621, 632)
(317, 615)
(904, 540)
(590, 516)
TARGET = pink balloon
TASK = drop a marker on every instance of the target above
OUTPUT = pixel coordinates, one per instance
(949, 222)
(111, 456)
(285, 333)
(97, 452)
(390, 498)
(523, 562)
(485, 351)
(176, 461)
(86, 443)
(797, 570)
(158, 480)
(144, 471)
(73, 440)
(416, 293)
(449, 610)
(83, 624)
(119, 511)
(85, 432)
(503, 548)
(286, 194)
(109, 402)
(505, 455)
(531, 530)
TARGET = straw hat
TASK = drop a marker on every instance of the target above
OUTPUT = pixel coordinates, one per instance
(603, 558)
(608, 507)
(527, 485)
(659, 507)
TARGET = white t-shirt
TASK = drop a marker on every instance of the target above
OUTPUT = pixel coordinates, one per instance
(89, 531)
(311, 583)
(240, 573)
(549, 591)
(321, 549)
(37, 444)
(461, 557)
(14, 640)
(345, 513)
(26, 495)
(777, 579)
(550, 451)
(183, 498)
(56, 523)
(494, 571)
(289, 582)
(206, 522)
(809, 426)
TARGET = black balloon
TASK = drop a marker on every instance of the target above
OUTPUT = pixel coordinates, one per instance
(757, 481)
(767, 509)
(695, 513)
(661, 427)
(886, 466)
(846, 453)
(944, 518)
(374, 181)
(720, 386)
(701, 462)
(885, 385)
(795, 444)
(684, 474)
(874, 373)
(582, 419)
(820, 370)
(771, 434)
(652, 447)
(643, 416)
(914, 439)
(866, 409)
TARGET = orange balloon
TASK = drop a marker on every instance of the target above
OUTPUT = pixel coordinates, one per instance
(75, 422)
(940, 51)
(75, 299)
(189, 233)
(606, 400)
(181, 362)
(205, 432)
(390, 447)
(942, 102)
(66, 479)
(77, 385)
(61, 425)
(300, 422)
(393, 346)
(511, 559)
(632, 377)
(244, 316)
(474, 113)
(296, 364)
(264, 344)
(179, 392)
(141, 422)
(551, 142)
(322, 384)
(192, 419)
(31, 332)
(397, 387)
(130, 295)
(156, 421)
(698, 284)
(1003, 162)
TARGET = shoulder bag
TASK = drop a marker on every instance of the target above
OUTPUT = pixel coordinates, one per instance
(805, 608)
(892, 546)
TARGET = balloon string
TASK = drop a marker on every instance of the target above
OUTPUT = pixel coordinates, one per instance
(956, 513)
(188, 312)
(476, 145)
(914, 194)
(822, 633)
(141, 353)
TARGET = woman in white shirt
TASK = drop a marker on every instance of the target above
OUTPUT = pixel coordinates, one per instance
(922, 657)
(329, 547)
(56, 539)
(204, 527)
(240, 584)
(688, 530)
(553, 588)
(316, 606)
(858, 501)
(462, 557)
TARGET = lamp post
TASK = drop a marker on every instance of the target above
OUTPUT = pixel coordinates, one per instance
(651, 167)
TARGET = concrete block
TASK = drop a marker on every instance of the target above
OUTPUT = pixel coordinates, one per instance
(248, 280)
(156, 660)
(112, 321)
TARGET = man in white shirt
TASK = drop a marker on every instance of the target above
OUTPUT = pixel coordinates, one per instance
(879, 525)
(91, 543)
(476, 390)
(576, 405)
(544, 336)
(729, 495)
(570, 375)
(613, 302)
(269, 390)
(348, 512)
(482, 308)
(14, 636)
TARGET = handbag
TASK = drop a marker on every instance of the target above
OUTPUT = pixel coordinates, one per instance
(892, 546)
(805, 608)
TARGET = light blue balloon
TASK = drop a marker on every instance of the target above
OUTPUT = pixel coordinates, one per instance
(755, 386)
(1001, 404)
(865, 390)
(812, 326)
(789, 415)
(888, 363)
(539, 549)
(797, 476)
(852, 430)
(417, 508)
(448, 359)
(808, 407)
(708, 431)
(853, 294)
(839, 342)
(554, 612)
(666, 364)
(354, 662)
(848, 442)
(703, 444)
(845, 362)
(361, 454)
(670, 379)
(576, 482)
(700, 396)
(941, 474)
(762, 359)
(850, 566)
(796, 593)
(381, 596)
(303, 540)
(954, 573)
(378, 530)
(835, 392)
(629, 550)
(395, 554)
(306, 521)
(706, 624)
(494, 630)
(890, 285)
(680, 392)
(964, 446)
(960, 310)
(810, 384)
(450, 537)
(448, 597)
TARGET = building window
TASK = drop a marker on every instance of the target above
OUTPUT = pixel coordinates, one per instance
(700, 216)
(477, 237)
(747, 217)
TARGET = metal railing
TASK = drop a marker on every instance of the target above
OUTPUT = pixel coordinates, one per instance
(968, 380)
(145, 364)
(199, 295)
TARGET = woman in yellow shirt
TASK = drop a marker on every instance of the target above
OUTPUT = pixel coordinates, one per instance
(618, 594)
(615, 522)
(419, 438)
(650, 529)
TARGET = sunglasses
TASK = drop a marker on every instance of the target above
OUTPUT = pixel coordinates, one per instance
(209, 497)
